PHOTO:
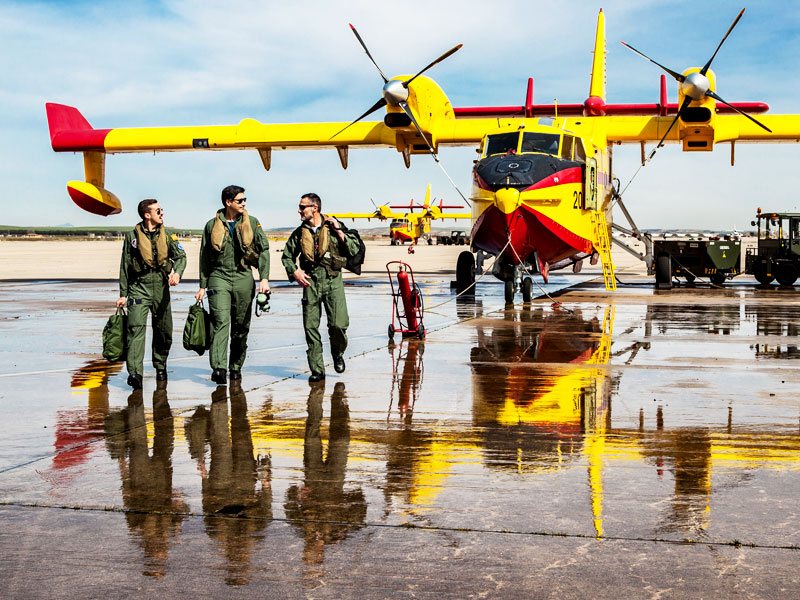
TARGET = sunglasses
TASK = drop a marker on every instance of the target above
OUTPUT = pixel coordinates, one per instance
(239, 200)
(305, 206)
(159, 211)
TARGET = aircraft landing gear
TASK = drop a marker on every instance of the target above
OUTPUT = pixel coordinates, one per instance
(509, 292)
(465, 272)
(527, 289)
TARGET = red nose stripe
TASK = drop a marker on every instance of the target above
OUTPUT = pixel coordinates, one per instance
(571, 175)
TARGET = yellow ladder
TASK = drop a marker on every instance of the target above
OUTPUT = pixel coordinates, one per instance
(603, 248)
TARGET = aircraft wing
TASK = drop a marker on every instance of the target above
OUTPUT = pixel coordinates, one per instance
(727, 128)
(372, 215)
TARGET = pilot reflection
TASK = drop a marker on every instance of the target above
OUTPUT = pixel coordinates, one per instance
(322, 510)
(76, 429)
(237, 490)
(406, 382)
(154, 511)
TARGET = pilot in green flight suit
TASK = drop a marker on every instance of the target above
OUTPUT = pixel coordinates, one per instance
(151, 259)
(322, 257)
(233, 243)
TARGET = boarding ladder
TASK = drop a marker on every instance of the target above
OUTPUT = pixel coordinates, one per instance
(603, 248)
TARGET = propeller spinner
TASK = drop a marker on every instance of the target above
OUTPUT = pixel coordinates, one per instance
(696, 86)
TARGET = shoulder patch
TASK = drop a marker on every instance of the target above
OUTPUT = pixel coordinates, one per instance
(258, 226)
(180, 247)
(133, 242)
(174, 238)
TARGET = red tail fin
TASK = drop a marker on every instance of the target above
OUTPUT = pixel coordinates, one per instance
(70, 131)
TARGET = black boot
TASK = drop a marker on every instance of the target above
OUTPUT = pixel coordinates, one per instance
(135, 381)
(161, 374)
(219, 376)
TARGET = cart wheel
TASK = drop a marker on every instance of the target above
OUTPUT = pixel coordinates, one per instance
(527, 289)
(760, 273)
(509, 292)
(391, 332)
(786, 273)
(664, 269)
(717, 278)
(421, 331)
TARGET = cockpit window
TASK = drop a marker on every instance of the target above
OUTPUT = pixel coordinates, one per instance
(501, 143)
(399, 223)
(566, 147)
(546, 143)
(580, 153)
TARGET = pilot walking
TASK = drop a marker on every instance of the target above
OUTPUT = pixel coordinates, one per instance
(151, 262)
(233, 243)
(322, 247)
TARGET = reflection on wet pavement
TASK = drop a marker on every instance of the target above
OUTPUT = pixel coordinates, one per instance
(654, 419)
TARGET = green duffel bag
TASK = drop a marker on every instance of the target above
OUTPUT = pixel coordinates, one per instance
(197, 330)
(115, 336)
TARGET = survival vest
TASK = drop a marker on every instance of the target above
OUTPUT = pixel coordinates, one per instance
(244, 237)
(327, 251)
(148, 257)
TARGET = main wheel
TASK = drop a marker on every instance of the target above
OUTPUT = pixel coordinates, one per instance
(760, 273)
(527, 289)
(393, 242)
(786, 273)
(421, 332)
(391, 332)
(663, 269)
(509, 292)
(465, 271)
(717, 278)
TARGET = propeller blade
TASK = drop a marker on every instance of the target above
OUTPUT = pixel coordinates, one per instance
(437, 61)
(407, 110)
(744, 114)
(379, 104)
(677, 76)
(725, 37)
(686, 102)
(364, 46)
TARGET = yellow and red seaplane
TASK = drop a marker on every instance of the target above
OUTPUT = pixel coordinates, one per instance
(409, 226)
(543, 187)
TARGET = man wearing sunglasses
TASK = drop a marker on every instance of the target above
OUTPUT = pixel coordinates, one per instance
(151, 261)
(233, 244)
(322, 247)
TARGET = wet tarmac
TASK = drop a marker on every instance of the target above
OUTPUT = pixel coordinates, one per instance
(636, 444)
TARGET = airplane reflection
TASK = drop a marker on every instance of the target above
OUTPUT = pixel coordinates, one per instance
(154, 511)
(321, 509)
(75, 430)
(237, 491)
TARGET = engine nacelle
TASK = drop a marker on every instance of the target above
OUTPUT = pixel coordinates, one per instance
(94, 199)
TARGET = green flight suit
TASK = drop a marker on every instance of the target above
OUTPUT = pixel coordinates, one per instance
(147, 290)
(231, 288)
(326, 288)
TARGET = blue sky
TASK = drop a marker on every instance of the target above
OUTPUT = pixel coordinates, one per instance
(188, 62)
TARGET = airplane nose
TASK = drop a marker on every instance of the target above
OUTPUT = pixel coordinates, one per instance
(507, 200)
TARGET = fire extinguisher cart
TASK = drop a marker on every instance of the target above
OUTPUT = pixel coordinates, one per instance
(408, 307)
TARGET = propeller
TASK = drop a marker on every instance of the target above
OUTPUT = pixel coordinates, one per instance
(696, 86)
(395, 93)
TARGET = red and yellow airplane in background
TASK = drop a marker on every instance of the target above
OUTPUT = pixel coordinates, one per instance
(542, 189)
(409, 226)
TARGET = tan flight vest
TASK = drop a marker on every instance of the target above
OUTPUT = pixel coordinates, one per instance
(245, 237)
(326, 254)
(146, 251)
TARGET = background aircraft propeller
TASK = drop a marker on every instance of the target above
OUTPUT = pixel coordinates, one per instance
(696, 86)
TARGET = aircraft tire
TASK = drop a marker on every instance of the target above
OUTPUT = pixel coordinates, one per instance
(717, 278)
(465, 271)
(527, 289)
(509, 292)
(663, 269)
(391, 332)
(421, 332)
(786, 273)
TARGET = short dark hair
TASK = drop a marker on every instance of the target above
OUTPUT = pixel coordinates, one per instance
(144, 206)
(314, 199)
(230, 192)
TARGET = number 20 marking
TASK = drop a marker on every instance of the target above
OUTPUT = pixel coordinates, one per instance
(578, 199)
